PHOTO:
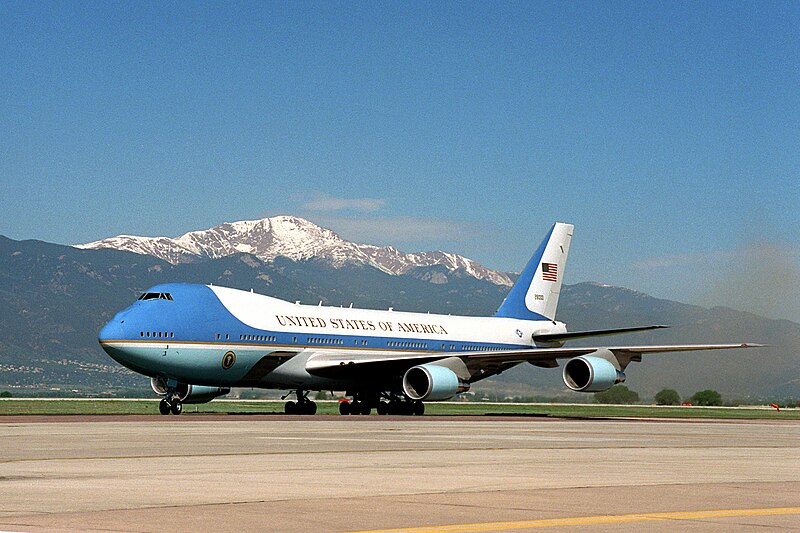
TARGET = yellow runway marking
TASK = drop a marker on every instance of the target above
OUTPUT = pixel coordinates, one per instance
(592, 520)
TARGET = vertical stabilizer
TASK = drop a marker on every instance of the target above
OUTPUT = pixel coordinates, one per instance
(535, 295)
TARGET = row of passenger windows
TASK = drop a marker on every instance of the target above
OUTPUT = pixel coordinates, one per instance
(157, 334)
(405, 344)
(471, 348)
(324, 340)
(258, 338)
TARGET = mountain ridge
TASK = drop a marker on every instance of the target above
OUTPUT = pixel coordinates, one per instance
(295, 238)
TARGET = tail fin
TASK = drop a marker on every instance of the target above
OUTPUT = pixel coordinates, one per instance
(535, 294)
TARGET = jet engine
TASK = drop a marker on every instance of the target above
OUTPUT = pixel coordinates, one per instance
(588, 373)
(432, 382)
(187, 393)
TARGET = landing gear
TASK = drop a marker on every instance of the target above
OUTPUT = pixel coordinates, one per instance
(308, 408)
(362, 404)
(360, 407)
(303, 406)
(405, 407)
(165, 406)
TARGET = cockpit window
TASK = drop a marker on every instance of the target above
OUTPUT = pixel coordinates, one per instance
(156, 296)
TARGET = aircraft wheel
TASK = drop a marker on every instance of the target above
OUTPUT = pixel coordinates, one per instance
(310, 408)
(419, 408)
(177, 407)
(394, 407)
(407, 408)
(383, 408)
(344, 408)
(163, 407)
(355, 407)
(290, 408)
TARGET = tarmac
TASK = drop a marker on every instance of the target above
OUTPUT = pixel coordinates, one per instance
(332, 473)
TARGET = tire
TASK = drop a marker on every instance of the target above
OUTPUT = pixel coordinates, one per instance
(383, 408)
(164, 407)
(344, 408)
(310, 408)
(290, 408)
(177, 407)
(419, 408)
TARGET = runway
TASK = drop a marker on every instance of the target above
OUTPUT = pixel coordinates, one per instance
(280, 473)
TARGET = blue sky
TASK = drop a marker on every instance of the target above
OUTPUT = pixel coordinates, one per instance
(667, 132)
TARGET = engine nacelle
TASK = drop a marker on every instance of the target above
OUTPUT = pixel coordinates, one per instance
(187, 393)
(432, 382)
(586, 373)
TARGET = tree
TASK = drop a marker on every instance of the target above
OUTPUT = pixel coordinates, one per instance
(668, 397)
(706, 397)
(617, 394)
(5, 394)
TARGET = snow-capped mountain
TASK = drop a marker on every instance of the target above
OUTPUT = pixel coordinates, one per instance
(294, 238)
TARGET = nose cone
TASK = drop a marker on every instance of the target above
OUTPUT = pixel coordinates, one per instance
(111, 331)
(112, 338)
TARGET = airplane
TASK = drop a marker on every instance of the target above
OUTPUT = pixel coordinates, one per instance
(195, 342)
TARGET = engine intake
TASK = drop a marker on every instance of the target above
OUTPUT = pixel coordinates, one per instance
(432, 382)
(188, 393)
(587, 373)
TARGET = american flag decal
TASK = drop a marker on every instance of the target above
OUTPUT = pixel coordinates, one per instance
(550, 271)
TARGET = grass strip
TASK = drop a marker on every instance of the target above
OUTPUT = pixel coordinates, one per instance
(19, 406)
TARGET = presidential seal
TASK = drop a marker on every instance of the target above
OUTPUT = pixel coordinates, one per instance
(228, 359)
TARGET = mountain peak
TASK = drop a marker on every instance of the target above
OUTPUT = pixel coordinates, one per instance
(292, 237)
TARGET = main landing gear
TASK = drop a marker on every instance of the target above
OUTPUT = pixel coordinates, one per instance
(174, 406)
(303, 406)
(362, 405)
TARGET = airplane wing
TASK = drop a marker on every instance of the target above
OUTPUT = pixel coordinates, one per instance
(347, 365)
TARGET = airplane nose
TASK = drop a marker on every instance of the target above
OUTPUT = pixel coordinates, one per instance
(111, 331)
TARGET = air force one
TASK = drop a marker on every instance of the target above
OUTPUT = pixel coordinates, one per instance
(195, 342)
